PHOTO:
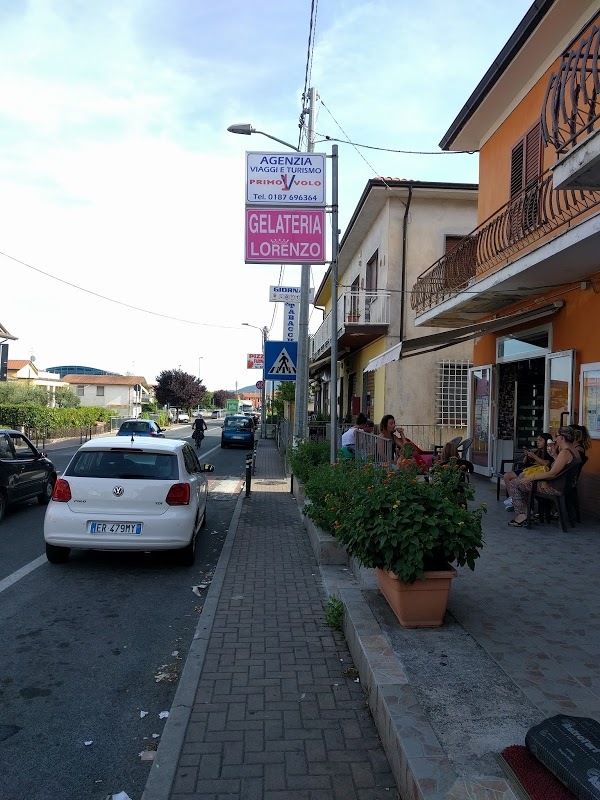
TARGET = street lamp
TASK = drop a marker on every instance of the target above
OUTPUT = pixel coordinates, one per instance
(301, 404)
(246, 129)
(263, 406)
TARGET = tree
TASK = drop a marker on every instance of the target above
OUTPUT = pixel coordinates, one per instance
(221, 395)
(179, 389)
(17, 393)
(66, 398)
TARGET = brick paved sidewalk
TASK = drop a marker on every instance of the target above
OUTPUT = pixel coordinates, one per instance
(278, 712)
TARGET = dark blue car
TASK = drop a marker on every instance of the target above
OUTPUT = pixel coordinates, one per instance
(140, 427)
(238, 431)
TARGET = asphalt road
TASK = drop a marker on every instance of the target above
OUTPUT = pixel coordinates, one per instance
(93, 649)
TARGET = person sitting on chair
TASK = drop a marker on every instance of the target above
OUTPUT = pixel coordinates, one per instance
(520, 487)
(349, 436)
(540, 457)
(449, 455)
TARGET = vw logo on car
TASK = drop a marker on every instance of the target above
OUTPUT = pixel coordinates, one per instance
(118, 491)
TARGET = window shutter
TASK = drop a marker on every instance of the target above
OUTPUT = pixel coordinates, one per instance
(517, 159)
(452, 241)
(533, 151)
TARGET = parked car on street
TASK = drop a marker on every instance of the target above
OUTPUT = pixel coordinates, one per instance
(238, 431)
(149, 494)
(140, 427)
(25, 472)
(183, 417)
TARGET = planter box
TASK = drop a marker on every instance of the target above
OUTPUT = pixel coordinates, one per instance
(326, 548)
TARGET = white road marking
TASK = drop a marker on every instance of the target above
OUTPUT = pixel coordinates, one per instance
(5, 583)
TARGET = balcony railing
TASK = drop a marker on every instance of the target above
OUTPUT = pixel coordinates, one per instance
(571, 109)
(536, 211)
(354, 308)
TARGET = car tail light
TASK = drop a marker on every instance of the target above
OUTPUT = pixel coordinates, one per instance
(179, 494)
(62, 491)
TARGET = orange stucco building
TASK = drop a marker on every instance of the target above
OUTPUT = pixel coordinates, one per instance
(526, 282)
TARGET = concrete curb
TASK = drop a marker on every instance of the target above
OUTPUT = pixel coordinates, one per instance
(162, 775)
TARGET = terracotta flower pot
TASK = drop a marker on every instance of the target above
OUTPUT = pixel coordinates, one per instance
(421, 604)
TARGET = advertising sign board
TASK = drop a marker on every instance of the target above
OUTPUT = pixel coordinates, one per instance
(285, 236)
(287, 179)
(255, 361)
(290, 321)
(232, 406)
(288, 294)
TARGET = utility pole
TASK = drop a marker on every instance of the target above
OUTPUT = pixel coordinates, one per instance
(335, 241)
(301, 398)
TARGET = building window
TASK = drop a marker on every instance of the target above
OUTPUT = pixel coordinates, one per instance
(80, 390)
(452, 393)
(451, 242)
(99, 391)
(589, 398)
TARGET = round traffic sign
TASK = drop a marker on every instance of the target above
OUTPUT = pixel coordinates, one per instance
(260, 384)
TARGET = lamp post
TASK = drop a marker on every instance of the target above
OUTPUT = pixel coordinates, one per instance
(263, 406)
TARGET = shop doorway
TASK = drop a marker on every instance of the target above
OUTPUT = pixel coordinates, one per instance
(528, 390)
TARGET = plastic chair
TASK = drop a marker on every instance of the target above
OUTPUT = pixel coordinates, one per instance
(464, 447)
(512, 461)
(566, 500)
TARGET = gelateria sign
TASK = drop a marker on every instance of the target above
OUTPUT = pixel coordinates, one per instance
(285, 236)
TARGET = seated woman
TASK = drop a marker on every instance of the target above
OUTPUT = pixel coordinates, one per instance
(449, 455)
(389, 438)
(583, 441)
(540, 457)
(520, 487)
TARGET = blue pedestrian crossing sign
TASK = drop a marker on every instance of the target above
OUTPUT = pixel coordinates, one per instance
(280, 361)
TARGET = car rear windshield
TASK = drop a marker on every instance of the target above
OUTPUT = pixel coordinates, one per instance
(123, 465)
(134, 427)
(239, 424)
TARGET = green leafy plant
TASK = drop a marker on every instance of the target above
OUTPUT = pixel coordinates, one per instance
(334, 613)
(307, 456)
(396, 521)
(39, 417)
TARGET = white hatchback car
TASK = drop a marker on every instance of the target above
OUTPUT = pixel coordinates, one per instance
(143, 494)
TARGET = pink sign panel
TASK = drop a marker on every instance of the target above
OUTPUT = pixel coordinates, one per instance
(285, 236)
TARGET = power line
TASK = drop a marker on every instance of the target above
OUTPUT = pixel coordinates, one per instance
(327, 138)
(111, 299)
(308, 69)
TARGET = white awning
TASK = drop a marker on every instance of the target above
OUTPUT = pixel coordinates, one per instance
(393, 354)
(437, 341)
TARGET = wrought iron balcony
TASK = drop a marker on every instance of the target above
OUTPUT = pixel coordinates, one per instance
(571, 109)
(539, 210)
(361, 315)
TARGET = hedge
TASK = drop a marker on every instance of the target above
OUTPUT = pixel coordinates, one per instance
(29, 415)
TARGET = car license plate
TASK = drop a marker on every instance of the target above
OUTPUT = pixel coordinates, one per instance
(116, 527)
(237, 437)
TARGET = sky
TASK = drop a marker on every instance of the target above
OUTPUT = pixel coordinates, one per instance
(122, 193)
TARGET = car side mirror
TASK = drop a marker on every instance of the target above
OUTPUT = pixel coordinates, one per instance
(208, 468)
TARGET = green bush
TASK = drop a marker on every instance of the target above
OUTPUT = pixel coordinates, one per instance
(30, 415)
(396, 521)
(307, 456)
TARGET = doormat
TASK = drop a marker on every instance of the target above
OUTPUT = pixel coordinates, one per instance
(532, 780)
